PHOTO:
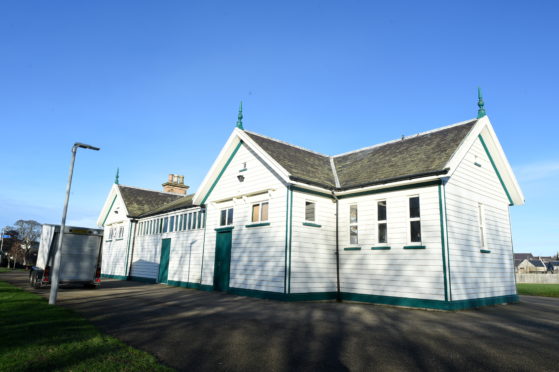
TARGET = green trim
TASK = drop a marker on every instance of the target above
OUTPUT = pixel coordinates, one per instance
(311, 224)
(108, 240)
(142, 279)
(278, 296)
(430, 304)
(443, 243)
(352, 249)
(290, 238)
(202, 287)
(116, 240)
(220, 229)
(477, 164)
(222, 171)
(258, 224)
(495, 168)
(131, 235)
(312, 192)
(385, 248)
(485, 251)
(447, 246)
(243, 170)
(389, 189)
(414, 247)
(111, 276)
(108, 211)
(286, 239)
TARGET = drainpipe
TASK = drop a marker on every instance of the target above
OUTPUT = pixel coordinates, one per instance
(338, 291)
(133, 224)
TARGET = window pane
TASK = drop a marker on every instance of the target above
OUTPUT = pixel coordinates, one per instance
(200, 219)
(353, 214)
(194, 220)
(415, 229)
(230, 216)
(256, 212)
(309, 211)
(203, 219)
(172, 224)
(414, 207)
(264, 216)
(382, 233)
(353, 235)
(381, 210)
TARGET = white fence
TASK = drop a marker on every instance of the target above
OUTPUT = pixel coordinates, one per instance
(538, 278)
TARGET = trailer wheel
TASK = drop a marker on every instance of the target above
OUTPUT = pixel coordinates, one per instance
(90, 286)
(34, 280)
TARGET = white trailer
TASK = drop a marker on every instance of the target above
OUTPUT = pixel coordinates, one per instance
(80, 261)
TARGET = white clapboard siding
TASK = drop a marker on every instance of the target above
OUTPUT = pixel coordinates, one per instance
(397, 272)
(114, 251)
(474, 274)
(257, 253)
(313, 260)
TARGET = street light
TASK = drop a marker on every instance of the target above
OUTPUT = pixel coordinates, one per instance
(56, 264)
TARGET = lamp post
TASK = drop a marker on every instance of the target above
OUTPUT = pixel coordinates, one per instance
(57, 254)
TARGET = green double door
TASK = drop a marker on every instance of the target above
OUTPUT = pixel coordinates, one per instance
(164, 261)
(222, 260)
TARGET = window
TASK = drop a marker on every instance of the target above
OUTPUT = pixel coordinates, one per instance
(260, 212)
(310, 209)
(194, 220)
(353, 230)
(415, 222)
(226, 217)
(481, 223)
(203, 218)
(121, 232)
(171, 223)
(381, 220)
(111, 232)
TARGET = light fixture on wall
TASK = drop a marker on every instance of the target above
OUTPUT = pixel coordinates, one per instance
(241, 178)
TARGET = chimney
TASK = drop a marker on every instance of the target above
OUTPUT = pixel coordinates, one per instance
(175, 184)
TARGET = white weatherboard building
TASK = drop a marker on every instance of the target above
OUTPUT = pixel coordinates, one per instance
(421, 221)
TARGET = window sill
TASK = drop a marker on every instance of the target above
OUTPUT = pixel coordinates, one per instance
(385, 248)
(485, 251)
(352, 249)
(224, 228)
(110, 240)
(119, 239)
(311, 224)
(243, 170)
(477, 164)
(258, 224)
(414, 247)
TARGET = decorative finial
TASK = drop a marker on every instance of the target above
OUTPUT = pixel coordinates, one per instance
(240, 117)
(116, 177)
(481, 111)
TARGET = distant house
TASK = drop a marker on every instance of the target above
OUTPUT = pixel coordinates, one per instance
(519, 257)
(531, 266)
(553, 266)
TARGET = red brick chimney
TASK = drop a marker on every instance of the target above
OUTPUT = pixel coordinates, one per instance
(175, 184)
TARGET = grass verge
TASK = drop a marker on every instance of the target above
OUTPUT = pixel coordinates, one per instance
(37, 336)
(531, 289)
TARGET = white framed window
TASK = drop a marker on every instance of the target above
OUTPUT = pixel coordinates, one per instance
(353, 225)
(171, 223)
(226, 217)
(310, 211)
(415, 219)
(481, 223)
(382, 226)
(111, 232)
(121, 232)
(259, 212)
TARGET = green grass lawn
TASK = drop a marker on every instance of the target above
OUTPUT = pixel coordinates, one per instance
(547, 290)
(36, 336)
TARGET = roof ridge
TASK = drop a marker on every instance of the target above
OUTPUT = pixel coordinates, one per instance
(143, 189)
(334, 172)
(286, 143)
(406, 138)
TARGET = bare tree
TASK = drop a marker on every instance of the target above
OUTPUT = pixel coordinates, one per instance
(29, 232)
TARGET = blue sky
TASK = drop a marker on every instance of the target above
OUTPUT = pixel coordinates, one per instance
(156, 85)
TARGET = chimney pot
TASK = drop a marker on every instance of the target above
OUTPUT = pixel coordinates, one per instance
(170, 177)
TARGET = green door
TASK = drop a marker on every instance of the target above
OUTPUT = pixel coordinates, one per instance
(222, 260)
(164, 261)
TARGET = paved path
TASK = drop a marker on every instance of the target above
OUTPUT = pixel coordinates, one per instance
(193, 330)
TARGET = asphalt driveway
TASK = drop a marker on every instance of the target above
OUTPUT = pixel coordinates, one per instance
(193, 330)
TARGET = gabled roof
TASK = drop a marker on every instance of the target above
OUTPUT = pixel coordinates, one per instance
(181, 203)
(412, 157)
(537, 263)
(522, 256)
(139, 201)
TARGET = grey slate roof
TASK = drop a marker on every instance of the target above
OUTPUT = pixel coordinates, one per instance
(181, 203)
(412, 157)
(140, 201)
